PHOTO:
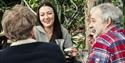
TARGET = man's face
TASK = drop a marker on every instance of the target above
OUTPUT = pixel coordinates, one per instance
(96, 23)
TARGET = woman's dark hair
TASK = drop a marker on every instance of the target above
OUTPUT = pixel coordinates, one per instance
(57, 33)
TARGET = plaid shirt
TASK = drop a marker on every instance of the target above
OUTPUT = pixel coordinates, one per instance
(109, 47)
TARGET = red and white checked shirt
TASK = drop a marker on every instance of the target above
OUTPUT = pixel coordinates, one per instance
(109, 47)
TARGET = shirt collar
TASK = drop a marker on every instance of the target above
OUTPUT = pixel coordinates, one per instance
(20, 42)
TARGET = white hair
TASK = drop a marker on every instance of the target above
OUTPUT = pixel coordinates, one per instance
(108, 10)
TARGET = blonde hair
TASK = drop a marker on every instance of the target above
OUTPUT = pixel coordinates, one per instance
(18, 22)
(108, 10)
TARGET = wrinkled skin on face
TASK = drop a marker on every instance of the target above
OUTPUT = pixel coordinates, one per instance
(97, 25)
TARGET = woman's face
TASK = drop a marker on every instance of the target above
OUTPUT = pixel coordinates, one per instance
(46, 15)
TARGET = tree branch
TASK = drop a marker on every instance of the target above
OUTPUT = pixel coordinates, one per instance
(29, 7)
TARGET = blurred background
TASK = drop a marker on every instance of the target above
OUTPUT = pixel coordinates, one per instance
(73, 14)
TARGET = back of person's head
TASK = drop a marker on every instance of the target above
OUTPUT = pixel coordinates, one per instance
(108, 10)
(17, 23)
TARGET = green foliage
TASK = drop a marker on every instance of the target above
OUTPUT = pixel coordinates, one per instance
(70, 12)
(2, 9)
(71, 15)
(33, 4)
(119, 4)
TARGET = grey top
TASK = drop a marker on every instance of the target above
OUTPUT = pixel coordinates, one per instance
(63, 43)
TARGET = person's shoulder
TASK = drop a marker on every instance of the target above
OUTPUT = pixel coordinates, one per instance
(122, 31)
(39, 28)
(47, 45)
(4, 51)
(0, 56)
(110, 37)
(64, 30)
(0, 52)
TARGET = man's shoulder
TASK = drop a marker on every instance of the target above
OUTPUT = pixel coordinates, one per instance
(45, 44)
(42, 47)
(32, 46)
(34, 51)
(112, 36)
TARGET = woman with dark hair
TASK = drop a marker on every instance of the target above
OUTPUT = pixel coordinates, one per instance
(50, 30)
(17, 24)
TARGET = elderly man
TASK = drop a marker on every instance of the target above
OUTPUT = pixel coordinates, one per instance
(109, 44)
